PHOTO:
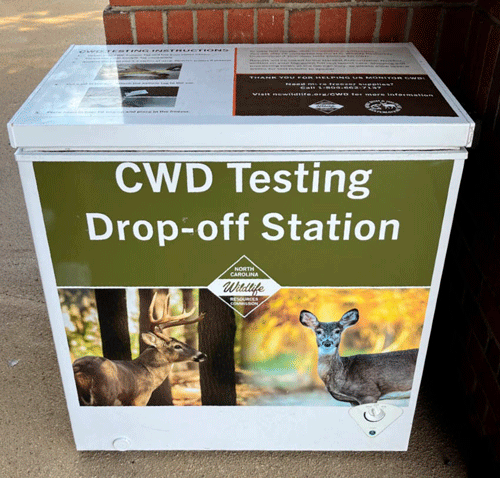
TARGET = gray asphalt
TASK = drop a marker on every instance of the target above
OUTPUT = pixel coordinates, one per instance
(35, 433)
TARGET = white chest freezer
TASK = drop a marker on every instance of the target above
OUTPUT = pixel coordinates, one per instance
(241, 245)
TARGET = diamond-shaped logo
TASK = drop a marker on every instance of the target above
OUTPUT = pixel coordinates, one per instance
(326, 106)
(244, 286)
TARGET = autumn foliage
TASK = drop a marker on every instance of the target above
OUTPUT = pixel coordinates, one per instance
(275, 355)
(274, 342)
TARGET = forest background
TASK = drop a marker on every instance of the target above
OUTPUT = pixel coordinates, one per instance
(274, 356)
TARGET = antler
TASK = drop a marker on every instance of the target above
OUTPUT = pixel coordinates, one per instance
(167, 320)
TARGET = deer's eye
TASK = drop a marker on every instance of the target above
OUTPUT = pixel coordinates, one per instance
(178, 347)
(319, 332)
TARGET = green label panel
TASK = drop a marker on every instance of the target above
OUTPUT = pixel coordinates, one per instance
(305, 224)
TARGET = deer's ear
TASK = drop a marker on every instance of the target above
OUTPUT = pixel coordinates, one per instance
(308, 319)
(349, 318)
(150, 339)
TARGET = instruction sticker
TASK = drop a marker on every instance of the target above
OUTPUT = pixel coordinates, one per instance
(334, 81)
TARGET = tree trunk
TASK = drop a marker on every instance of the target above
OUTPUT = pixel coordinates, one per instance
(163, 394)
(113, 321)
(190, 334)
(216, 333)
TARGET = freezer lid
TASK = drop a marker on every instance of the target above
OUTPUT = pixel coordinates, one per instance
(242, 97)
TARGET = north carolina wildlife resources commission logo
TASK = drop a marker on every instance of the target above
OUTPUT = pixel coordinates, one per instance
(325, 106)
(384, 107)
(244, 286)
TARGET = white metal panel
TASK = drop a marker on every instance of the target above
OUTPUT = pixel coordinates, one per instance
(231, 156)
(226, 428)
(84, 103)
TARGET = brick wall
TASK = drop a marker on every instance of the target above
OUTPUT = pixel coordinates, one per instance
(278, 21)
(461, 39)
(470, 295)
(439, 29)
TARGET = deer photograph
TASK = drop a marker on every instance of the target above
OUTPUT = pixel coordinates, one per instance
(103, 382)
(143, 346)
(358, 379)
(353, 363)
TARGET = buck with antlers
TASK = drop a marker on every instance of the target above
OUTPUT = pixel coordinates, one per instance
(358, 379)
(101, 381)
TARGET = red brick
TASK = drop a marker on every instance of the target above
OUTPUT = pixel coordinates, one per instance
(480, 404)
(465, 218)
(476, 27)
(423, 31)
(471, 273)
(468, 375)
(392, 28)
(490, 265)
(117, 28)
(270, 26)
(495, 137)
(332, 25)
(484, 217)
(363, 22)
(475, 423)
(478, 325)
(301, 26)
(149, 27)
(490, 6)
(490, 59)
(470, 306)
(210, 27)
(216, 2)
(495, 443)
(487, 380)
(240, 26)
(144, 3)
(490, 262)
(489, 305)
(478, 58)
(495, 10)
(494, 95)
(493, 355)
(489, 384)
(450, 62)
(180, 26)
(491, 423)
(476, 356)
(308, 1)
